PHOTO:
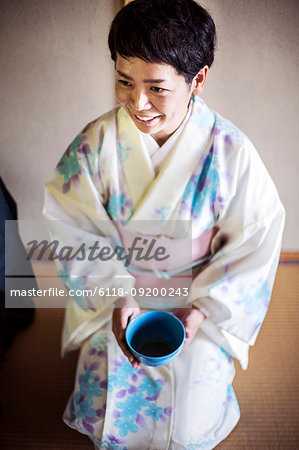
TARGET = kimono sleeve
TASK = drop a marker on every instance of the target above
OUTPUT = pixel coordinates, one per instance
(76, 218)
(234, 290)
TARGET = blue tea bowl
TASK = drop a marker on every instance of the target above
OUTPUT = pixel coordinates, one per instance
(155, 337)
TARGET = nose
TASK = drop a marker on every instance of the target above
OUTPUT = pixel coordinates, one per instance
(140, 100)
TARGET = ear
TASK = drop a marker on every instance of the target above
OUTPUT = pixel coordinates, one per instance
(199, 80)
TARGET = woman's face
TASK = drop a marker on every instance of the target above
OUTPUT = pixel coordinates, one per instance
(154, 95)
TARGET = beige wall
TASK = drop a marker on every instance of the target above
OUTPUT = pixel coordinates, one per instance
(254, 83)
(57, 76)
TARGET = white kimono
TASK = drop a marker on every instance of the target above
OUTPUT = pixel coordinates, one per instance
(208, 186)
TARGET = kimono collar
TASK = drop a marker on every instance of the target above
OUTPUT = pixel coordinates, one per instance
(156, 198)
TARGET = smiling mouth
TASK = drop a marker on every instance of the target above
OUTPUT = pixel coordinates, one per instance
(146, 120)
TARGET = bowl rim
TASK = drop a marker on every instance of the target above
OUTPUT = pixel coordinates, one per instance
(156, 358)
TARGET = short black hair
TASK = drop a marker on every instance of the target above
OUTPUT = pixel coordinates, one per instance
(180, 33)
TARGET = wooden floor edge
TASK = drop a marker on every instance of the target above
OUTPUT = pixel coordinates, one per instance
(289, 257)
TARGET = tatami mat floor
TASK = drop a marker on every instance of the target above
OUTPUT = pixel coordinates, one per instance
(35, 382)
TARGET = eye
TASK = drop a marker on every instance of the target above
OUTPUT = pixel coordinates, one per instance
(157, 89)
(124, 83)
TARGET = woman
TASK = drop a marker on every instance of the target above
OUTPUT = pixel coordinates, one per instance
(163, 166)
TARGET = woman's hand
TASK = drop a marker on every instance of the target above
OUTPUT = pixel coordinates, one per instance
(125, 309)
(192, 319)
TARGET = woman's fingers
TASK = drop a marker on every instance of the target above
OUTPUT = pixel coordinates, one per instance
(124, 347)
(120, 320)
(119, 323)
(192, 319)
